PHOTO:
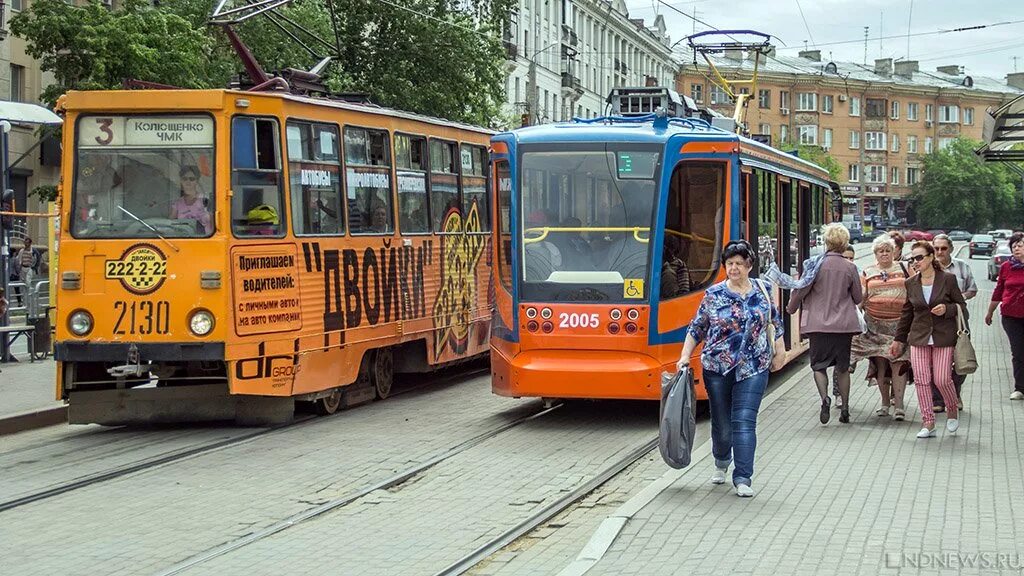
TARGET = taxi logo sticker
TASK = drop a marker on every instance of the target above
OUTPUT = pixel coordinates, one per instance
(141, 269)
(633, 288)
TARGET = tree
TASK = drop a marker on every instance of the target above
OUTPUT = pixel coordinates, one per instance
(959, 190)
(91, 47)
(816, 155)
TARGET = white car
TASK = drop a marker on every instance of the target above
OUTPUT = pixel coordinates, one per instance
(1001, 234)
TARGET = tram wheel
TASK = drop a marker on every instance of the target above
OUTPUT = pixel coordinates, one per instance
(383, 372)
(329, 404)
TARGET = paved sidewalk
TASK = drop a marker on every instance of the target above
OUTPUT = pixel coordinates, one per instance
(864, 498)
(27, 385)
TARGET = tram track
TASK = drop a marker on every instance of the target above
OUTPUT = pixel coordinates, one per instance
(354, 496)
(195, 451)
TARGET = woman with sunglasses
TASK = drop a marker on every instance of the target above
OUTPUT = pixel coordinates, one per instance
(829, 318)
(1008, 297)
(189, 206)
(733, 321)
(928, 323)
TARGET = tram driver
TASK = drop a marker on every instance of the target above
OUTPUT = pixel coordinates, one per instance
(190, 204)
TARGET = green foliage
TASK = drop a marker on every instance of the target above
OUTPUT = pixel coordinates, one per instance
(959, 190)
(45, 193)
(816, 155)
(438, 57)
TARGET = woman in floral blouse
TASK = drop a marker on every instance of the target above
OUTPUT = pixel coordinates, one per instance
(732, 322)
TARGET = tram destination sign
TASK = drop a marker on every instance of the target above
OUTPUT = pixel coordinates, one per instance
(145, 131)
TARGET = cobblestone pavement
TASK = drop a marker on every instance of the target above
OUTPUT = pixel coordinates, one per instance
(865, 498)
(27, 385)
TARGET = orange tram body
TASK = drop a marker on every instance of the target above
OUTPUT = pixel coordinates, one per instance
(224, 254)
(606, 233)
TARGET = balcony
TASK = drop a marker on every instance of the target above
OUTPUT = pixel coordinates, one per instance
(569, 36)
(571, 82)
(511, 50)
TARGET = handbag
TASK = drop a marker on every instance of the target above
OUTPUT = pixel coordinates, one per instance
(965, 361)
(768, 320)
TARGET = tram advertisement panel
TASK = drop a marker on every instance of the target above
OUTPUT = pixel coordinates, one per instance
(266, 288)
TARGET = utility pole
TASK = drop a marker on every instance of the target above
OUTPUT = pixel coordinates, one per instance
(533, 95)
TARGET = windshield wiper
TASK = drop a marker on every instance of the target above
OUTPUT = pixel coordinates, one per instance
(146, 224)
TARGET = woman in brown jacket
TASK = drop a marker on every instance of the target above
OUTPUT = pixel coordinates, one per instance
(929, 324)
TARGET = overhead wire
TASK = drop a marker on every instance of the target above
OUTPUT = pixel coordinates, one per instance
(914, 35)
(806, 26)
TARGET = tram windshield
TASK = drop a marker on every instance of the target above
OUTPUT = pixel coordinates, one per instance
(143, 177)
(586, 220)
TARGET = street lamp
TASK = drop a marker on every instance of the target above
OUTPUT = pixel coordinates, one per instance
(534, 95)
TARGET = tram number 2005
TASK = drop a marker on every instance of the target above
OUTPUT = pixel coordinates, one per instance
(146, 317)
(566, 320)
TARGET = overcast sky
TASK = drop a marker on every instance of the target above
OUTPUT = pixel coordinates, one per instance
(985, 52)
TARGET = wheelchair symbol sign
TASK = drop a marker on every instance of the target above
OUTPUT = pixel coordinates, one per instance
(633, 288)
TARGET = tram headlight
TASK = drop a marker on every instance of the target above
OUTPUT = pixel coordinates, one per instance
(633, 314)
(545, 313)
(201, 322)
(616, 314)
(80, 323)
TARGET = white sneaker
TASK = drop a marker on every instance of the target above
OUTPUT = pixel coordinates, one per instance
(744, 491)
(719, 476)
(926, 433)
(952, 424)
(1017, 395)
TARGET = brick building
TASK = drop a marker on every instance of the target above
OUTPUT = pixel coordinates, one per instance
(876, 121)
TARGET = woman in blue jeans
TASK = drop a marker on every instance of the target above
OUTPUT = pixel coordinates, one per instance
(733, 321)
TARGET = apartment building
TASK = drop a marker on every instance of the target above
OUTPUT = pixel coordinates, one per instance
(31, 164)
(877, 121)
(580, 50)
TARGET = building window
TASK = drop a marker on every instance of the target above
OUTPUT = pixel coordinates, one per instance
(17, 5)
(912, 144)
(718, 96)
(807, 102)
(784, 100)
(17, 83)
(874, 141)
(913, 175)
(826, 139)
(949, 114)
(808, 134)
(783, 133)
(854, 139)
(874, 174)
(928, 145)
(894, 142)
(854, 106)
(912, 108)
(826, 103)
(894, 110)
(944, 143)
(854, 174)
(928, 112)
(875, 108)
(697, 93)
(968, 116)
(765, 129)
(895, 179)
(764, 98)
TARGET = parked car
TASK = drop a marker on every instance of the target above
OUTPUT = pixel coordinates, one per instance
(959, 235)
(915, 235)
(982, 244)
(856, 233)
(1000, 255)
(1001, 234)
(936, 232)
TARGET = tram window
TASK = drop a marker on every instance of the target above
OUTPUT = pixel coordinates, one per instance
(314, 178)
(257, 207)
(368, 181)
(444, 184)
(694, 222)
(768, 218)
(474, 187)
(503, 192)
(411, 170)
(792, 199)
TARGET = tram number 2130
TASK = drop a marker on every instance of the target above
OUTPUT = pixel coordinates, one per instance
(566, 320)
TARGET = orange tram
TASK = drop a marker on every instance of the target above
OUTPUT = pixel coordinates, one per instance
(224, 254)
(606, 233)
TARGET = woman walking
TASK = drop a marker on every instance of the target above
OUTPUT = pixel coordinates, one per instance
(733, 321)
(928, 323)
(885, 294)
(829, 317)
(1009, 298)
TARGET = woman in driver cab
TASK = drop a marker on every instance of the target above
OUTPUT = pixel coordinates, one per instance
(189, 205)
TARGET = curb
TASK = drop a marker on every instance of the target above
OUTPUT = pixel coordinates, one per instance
(32, 419)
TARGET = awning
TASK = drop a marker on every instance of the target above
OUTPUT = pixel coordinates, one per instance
(1004, 133)
(25, 113)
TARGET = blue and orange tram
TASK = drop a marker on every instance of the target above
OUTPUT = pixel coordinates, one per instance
(607, 231)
